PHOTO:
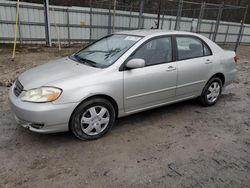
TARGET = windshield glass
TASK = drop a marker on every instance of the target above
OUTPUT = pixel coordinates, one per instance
(107, 50)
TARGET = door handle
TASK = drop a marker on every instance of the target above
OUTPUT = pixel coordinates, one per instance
(208, 61)
(171, 68)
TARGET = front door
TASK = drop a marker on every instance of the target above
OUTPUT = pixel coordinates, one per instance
(156, 82)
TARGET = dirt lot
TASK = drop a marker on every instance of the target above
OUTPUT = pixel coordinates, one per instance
(181, 145)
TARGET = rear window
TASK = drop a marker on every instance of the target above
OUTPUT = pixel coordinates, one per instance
(191, 47)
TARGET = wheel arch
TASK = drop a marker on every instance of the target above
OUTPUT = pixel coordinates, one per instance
(219, 75)
(107, 97)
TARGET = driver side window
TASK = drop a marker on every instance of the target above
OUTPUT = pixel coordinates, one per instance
(155, 51)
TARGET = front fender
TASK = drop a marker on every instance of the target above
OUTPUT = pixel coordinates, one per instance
(77, 95)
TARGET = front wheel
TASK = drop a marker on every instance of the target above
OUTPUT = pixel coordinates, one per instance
(92, 119)
(211, 92)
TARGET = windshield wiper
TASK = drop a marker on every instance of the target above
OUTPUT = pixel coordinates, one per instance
(90, 62)
(85, 61)
(93, 51)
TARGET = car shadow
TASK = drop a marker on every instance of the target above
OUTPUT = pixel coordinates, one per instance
(157, 113)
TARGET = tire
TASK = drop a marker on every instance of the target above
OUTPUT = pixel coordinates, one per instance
(92, 119)
(211, 92)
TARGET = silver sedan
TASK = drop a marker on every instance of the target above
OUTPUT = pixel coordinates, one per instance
(118, 75)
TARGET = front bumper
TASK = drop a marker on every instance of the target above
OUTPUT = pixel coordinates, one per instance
(41, 117)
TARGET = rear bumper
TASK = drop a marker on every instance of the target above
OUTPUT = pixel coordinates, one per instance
(230, 77)
(41, 117)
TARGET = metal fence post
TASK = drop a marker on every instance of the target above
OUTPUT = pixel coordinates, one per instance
(225, 40)
(170, 23)
(178, 17)
(242, 35)
(19, 28)
(241, 29)
(218, 21)
(198, 28)
(109, 18)
(191, 28)
(211, 30)
(114, 13)
(140, 14)
(68, 27)
(158, 15)
(130, 14)
(47, 22)
(143, 22)
(90, 20)
(162, 19)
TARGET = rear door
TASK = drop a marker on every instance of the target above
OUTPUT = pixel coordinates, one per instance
(156, 82)
(195, 65)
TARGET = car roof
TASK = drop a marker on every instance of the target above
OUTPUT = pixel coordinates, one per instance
(148, 32)
(158, 32)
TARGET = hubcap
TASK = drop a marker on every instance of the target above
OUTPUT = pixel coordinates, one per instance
(213, 92)
(94, 120)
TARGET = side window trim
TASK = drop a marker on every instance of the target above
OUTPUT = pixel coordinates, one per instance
(209, 49)
(190, 36)
(123, 67)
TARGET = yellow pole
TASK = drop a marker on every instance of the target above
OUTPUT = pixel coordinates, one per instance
(16, 29)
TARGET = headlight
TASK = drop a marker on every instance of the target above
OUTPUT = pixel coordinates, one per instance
(42, 94)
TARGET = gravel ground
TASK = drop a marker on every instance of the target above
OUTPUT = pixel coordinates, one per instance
(181, 145)
(26, 58)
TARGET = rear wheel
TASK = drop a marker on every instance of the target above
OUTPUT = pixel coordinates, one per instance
(92, 119)
(211, 92)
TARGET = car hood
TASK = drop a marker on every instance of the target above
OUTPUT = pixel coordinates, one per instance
(54, 71)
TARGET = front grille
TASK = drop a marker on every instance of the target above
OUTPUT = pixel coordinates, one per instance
(18, 88)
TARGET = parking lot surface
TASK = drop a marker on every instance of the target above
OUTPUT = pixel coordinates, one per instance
(180, 145)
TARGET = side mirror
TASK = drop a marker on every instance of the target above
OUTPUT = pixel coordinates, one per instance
(135, 63)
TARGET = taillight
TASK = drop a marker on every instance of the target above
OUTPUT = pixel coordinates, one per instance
(235, 58)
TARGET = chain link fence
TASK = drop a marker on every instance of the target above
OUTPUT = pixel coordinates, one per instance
(221, 23)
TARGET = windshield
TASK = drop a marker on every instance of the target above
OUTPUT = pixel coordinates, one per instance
(107, 50)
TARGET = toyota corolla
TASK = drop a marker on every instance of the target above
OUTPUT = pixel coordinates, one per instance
(118, 75)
